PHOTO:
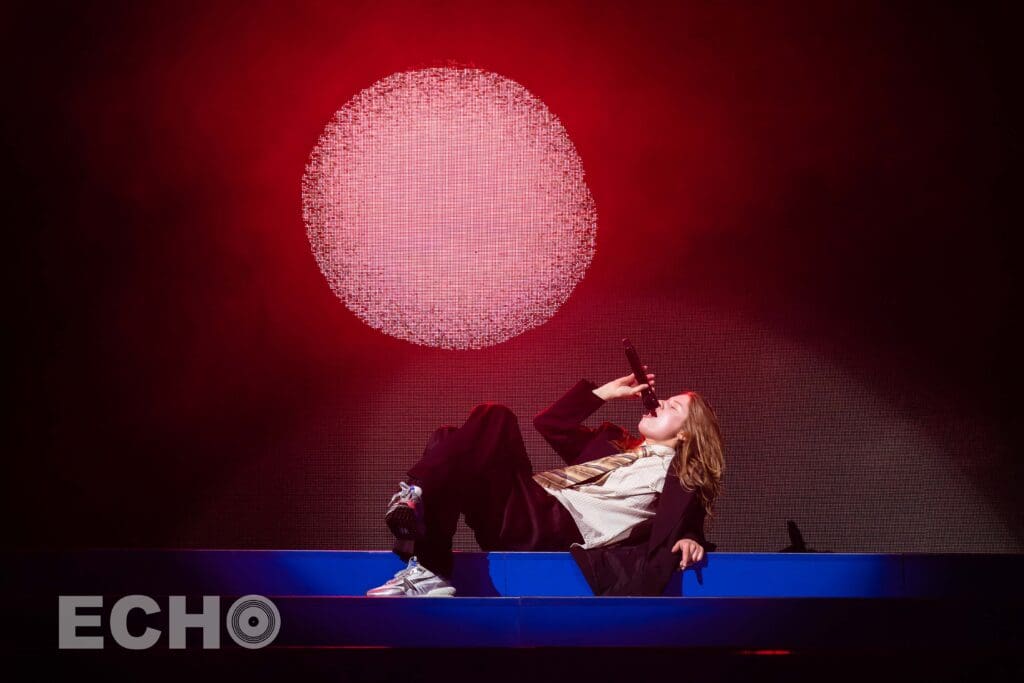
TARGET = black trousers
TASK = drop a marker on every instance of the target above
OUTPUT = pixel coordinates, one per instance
(481, 470)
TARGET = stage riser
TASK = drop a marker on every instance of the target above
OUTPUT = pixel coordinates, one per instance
(855, 602)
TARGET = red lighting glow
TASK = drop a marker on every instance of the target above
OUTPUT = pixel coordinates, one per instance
(448, 207)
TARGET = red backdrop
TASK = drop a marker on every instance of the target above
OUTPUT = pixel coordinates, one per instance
(803, 213)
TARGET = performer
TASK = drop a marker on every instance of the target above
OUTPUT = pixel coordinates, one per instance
(630, 509)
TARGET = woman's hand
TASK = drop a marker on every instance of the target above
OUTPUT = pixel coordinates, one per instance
(624, 387)
(692, 552)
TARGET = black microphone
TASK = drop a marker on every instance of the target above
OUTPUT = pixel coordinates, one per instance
(647, 395)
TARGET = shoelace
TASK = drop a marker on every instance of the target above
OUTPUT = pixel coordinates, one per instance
(416, 571)
(405, 494)
(408, 569)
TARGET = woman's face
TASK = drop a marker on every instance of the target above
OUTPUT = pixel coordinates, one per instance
(669, 421)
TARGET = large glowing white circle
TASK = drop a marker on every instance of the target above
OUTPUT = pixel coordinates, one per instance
(448, 207)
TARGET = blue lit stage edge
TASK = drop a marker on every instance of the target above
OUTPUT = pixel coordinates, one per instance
(741, 601)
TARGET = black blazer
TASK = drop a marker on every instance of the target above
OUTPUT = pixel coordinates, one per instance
(642, 563)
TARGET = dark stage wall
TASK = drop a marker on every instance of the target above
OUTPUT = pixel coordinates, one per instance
(819, 193)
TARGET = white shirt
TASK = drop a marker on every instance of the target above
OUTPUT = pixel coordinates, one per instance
(606, 512)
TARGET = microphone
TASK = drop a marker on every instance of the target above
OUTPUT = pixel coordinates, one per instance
(647, 395)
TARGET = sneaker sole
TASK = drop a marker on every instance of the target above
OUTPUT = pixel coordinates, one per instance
(384, 592)
(402, 523)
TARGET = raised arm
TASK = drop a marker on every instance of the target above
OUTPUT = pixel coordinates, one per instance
(624, 387)
(561, 424)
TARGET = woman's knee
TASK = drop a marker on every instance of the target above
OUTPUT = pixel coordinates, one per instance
(439, 435)
(493, 410)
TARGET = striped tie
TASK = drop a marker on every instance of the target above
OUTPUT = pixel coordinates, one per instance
(593, 471)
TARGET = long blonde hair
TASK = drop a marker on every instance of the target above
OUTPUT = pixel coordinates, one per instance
(700, 454)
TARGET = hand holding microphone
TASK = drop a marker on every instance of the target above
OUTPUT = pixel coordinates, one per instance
(624, 387)
(638, 383)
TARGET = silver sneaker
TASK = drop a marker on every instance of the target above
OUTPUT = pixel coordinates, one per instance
(416, 581)
(404, 514)
(400, 574)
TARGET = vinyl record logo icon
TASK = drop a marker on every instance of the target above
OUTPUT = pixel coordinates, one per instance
(253, 621)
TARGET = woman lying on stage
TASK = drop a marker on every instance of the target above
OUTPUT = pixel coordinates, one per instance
(631, 510)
